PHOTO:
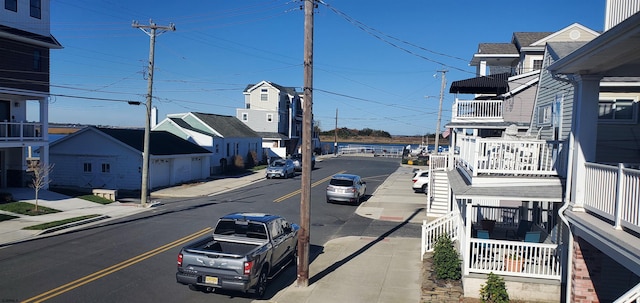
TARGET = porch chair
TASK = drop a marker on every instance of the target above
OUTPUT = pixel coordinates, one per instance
(532, 253)
(523, 227)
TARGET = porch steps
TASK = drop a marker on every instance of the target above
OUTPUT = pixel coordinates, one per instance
(440, 204)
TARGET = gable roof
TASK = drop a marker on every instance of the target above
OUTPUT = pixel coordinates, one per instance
(497, 48)
(227, 126)
(289, 90)
(524, 39)
(160, 142)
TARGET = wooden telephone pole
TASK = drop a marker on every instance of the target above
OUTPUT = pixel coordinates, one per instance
(152, 31)
(305, 189)
(444, 82)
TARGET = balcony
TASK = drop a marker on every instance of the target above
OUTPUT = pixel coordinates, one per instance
(500, 157)
(20, 131)
(613, 194)
(477, 111)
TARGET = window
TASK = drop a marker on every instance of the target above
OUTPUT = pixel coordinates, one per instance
(106, 167)
(264, 94)
(35, 8)
(544, 115)
(537, 64)
(245, 117)
(37, 61)
(617, 110)
(269, 117)
(217, 148)
(237, 150)
(228, 147)
(11, 5)
(87, 167)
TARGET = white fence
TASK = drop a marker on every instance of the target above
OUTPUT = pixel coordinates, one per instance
(500, 156)
(513, 258)
(613, 193)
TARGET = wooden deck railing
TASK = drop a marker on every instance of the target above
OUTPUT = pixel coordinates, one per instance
(613, 193)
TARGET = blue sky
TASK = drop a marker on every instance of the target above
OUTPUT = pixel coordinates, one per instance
(374, 61)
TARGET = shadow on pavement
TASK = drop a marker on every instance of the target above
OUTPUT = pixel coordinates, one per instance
(338, 264)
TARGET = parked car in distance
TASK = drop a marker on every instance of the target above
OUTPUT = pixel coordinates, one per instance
(297, 161)
(346, 188)
(280, 168)
(420, 181)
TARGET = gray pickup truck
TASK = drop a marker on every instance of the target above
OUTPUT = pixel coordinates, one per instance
(243, 252)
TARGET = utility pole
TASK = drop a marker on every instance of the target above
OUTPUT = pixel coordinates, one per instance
(152, 30)
(444, 81)
(307, 116)
(335, 136)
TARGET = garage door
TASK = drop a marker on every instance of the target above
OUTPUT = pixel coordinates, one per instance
(159, 173)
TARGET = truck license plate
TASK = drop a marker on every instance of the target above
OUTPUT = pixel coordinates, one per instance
(210, 280)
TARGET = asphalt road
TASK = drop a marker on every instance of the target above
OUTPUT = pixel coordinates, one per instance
(134, 259)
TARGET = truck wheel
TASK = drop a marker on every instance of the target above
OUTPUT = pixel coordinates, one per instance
(261, 286)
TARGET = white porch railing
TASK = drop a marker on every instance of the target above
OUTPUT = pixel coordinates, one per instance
(477, 110)
(448, 224)
(512, 258)
(514, 157)
(613, 193)
(20, 131)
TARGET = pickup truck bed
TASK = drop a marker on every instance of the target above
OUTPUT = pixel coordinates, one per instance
(244, 250)
(224, 246)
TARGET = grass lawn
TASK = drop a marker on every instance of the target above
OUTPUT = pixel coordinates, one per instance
(47, 225)
(81, 195)
(4, 217)
(25, 208)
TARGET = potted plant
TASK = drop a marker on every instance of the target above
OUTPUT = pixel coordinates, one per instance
(513, 262)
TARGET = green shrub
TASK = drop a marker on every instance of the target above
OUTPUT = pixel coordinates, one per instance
(494, 291)
(445, 259)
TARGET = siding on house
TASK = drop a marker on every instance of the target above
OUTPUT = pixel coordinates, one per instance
(112, 158)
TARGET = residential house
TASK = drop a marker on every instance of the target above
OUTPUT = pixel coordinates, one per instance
(224, 136)
(24, 69)
(561, 197)
(111, 158)
(603, 179)
(275, 113)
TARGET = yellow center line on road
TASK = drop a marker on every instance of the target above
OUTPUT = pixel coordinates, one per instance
(111, 269)
(289, 195)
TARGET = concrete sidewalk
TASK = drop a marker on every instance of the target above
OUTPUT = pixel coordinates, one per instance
(349, 269)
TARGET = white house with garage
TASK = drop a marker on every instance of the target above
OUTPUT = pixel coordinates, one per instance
(111, 158)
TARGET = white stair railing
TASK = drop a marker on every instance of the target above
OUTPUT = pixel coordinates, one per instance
(447, 224)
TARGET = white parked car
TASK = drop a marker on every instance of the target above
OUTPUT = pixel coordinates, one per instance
(420, 181)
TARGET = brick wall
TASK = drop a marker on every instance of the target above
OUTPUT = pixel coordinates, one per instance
(596, 277)
(585, 264)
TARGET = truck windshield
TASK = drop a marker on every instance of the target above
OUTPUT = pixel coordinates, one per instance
(244, 228)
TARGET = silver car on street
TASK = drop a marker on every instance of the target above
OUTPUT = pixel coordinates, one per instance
(281, 168)
(346, 188)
